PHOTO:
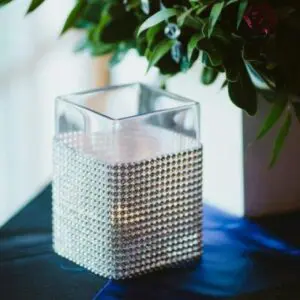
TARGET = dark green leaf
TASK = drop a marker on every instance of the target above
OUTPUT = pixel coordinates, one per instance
(74, 15)
(242, 92)
(201, 9)
(260, 75)
(131, 4)
(95, 46)
(206, 60)
(184, 64)
(296, 106)
(4, 2)
(232, 2)
(275, 113)
(105, 18)
(193, 44)
(267, 94)
(163, 85)
(214, 16)
(194, 22)
(224, 84)
(218, 33)
(231, 74)
(157, 18)
(251, 52)
(116, 58)
(33, 5)
(160, 50)
(241, 11)
(213, 49)
(182, 17)
(120, 53)
(151, 34)
(100, 49)
(214, 57)
(115, 31)
(232, 64)
(208, 75)
(91, 15)
(279, 141)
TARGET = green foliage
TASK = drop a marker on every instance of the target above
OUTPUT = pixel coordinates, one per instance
(4, 2)
(274, 115)
(221, 32)
(279, 141)
(159, 51)
(74, 15)
(242, 91)
(151, 34)
(209, 75)
(193, 43)
(34, 4)
(157, 18)
(181, 19)
(241, 11)
(120, 53)
(215, 14)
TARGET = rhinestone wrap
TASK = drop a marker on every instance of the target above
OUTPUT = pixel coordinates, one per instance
(123, 220)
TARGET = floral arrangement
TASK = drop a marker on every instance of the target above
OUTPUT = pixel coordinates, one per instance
(248, 40)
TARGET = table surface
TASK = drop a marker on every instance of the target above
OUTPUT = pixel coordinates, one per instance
(242, 259)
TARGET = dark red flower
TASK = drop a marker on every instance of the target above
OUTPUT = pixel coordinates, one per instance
(261, 18)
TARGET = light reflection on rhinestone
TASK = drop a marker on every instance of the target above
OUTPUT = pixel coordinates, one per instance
(123, 220)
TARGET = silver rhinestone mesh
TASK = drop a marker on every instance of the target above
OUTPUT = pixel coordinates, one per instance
(122, 220)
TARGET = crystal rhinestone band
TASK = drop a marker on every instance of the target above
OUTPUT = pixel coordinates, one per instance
(122, 220)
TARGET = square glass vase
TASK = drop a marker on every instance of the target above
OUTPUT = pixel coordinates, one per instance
(127, 180)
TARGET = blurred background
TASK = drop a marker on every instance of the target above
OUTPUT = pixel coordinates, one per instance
(36, 66)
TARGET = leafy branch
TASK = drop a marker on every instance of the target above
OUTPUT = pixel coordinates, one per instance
(249, 41)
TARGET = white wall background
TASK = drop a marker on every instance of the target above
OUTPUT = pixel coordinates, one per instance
(35, 67)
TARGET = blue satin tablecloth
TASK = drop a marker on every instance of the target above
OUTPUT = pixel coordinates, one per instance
(242, 260)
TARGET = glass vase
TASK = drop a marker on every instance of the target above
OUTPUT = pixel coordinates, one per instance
(127, 194)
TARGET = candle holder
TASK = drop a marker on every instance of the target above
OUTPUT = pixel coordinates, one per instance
(127, 180)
